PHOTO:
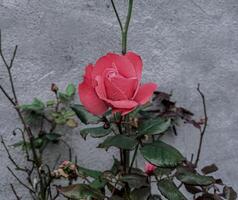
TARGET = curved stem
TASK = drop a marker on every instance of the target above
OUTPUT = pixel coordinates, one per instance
(117, 15)
(204, 127)
(126, 27)
(124, 30)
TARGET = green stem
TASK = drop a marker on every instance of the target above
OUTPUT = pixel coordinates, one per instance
(124, 30)
(126, 27)
(133, 158)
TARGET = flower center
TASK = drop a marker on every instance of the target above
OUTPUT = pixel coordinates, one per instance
(111, 74)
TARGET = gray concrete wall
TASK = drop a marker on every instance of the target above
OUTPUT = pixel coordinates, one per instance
(182, 42)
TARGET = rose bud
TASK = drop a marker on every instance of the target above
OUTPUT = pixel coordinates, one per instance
(115, 81)
(54, 88)
(149, 169)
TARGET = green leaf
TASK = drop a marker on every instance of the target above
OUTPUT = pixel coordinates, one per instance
(119, 141)
(60, 119)
(115, 167)
(70, 90)
(96, 132)
(154, 126)
(67, 114)
(154, 197)
(21, 144)
(169, 190)
(98, 184)
(193, 179)
(53, 137)
(50, 103)
(135, 180)
(33, 117)
(160, 171)
(84, 115)
(36, 106)
(81, 192)
(63, 97)
(38, 142)
(89, 172)
(162, 154)
(140, 194)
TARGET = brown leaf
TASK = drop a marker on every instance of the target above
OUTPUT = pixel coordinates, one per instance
(209, 169)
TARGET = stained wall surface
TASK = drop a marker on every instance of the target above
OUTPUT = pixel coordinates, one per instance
(182, 43)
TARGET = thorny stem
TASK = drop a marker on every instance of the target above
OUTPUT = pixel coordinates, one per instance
(204, 127)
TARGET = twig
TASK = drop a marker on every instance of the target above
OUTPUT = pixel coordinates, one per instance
(23, 184)
(117, 15)
(10, 157)
(8, 67)
(204, 127)
(15, 193)
(36, 160)
(7, 95)
(1, 54)
(56, 162)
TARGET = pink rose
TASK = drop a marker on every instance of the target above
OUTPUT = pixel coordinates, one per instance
(149, 169)
(114, 81)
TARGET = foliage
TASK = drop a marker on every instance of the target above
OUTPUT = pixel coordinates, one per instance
(139, 133)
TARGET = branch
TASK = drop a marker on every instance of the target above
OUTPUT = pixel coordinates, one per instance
(117, 15)
(8, 67)
(15, 193)
(23, 184)
(204, 127)
(7, 95)
(10, 157)
(1, 53)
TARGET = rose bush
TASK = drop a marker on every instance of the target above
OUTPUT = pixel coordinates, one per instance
(114, 81)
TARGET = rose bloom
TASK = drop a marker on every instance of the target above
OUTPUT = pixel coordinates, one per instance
(149, 168)
(114, 81)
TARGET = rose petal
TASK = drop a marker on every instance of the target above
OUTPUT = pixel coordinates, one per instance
(126, 85)
(90, 100)
(145, 92)
(137, 63)
(100, 88)
(124, 66)
(124, 104)
(113, 92)
(88, 74)
(103, 63)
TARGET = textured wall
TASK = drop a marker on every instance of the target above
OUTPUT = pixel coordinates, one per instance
(181, 42)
